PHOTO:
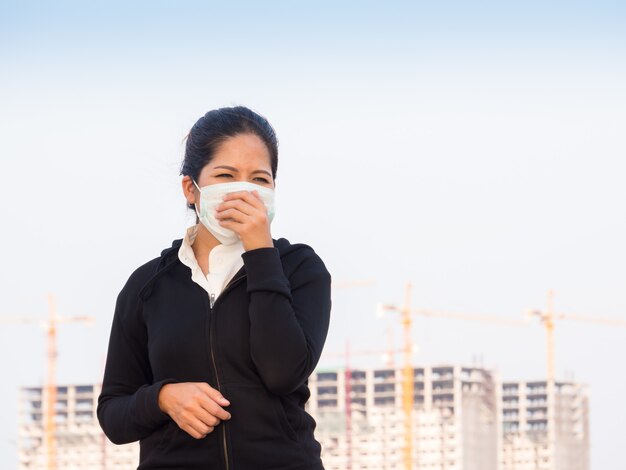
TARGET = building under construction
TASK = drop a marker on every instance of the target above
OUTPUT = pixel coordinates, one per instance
(543, 431)
(454, 424)
(463, 419)
(77, 442)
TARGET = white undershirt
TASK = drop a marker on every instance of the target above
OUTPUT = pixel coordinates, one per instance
(224, 262)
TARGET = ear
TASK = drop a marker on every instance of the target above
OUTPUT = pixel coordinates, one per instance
(189, 189)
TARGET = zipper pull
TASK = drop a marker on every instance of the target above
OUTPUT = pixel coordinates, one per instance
(212, 300)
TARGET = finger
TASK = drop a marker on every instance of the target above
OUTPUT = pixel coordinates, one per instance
(247, 196)
(214, 393)
(234, 204)
(192, 431)
(216, 410)
(256, 194)
(200, 435)
(233, 214)
(212, 400)
(213, 409)
(201, 428)
(208, 418)
(241, 212)
(238, 204)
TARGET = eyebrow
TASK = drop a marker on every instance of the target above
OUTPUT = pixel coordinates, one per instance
(237, 171)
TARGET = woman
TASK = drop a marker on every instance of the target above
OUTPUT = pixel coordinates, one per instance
(212, 342)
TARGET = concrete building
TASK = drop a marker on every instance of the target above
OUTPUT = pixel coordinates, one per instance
(80, 443)
(455, 423)
(544, 434)
(463, 419)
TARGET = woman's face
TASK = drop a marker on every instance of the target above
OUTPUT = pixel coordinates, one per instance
(244, 157)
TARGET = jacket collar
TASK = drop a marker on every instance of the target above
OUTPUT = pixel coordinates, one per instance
(169, 258)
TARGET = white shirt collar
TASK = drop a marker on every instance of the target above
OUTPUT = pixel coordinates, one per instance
(224, 262)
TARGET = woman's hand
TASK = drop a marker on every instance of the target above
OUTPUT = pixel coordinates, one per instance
(195, 406)
(244, 213)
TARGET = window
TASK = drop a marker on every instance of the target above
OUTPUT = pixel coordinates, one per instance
(326, 376)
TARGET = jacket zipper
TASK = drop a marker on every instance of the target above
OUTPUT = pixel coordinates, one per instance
(217, 377)
(219, 387)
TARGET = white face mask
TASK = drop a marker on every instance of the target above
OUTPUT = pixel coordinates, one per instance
(212, 195)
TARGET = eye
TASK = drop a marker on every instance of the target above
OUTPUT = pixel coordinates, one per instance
(262, 180)
(224, 174)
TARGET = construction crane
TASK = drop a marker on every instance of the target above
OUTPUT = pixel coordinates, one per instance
(408, 383)
(547, 318)
(50, 324)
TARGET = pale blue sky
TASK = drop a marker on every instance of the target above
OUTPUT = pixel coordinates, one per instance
(475, 150)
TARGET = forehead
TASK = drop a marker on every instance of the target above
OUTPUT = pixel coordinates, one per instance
(243, 150)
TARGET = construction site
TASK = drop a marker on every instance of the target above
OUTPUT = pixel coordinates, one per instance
(462, 418)
(441, 183)
(407, 417)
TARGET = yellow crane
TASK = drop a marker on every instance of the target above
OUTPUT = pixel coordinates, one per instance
(547, 317)
(50, 325)
(408, 384)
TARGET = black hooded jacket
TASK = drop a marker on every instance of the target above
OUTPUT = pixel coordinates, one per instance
(257, 344)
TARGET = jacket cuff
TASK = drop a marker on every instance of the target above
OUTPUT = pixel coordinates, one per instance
(147, 404)
(265, 271)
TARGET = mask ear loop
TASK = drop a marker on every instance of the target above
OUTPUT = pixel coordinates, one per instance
(195, 206)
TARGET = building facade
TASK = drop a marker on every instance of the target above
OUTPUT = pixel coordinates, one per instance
(454, 423)
(80, 444)
(540, 433)
(462, 418)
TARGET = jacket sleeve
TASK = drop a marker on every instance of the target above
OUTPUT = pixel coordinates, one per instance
(128, 407)
(289, 318)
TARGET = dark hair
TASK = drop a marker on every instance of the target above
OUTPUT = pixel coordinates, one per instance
(218, 125)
